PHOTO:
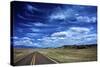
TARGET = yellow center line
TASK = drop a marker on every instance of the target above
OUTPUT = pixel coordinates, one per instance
(33, 59)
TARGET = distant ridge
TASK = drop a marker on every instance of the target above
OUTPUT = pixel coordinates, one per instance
(79, 46)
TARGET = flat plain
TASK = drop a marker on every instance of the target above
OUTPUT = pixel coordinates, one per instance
(60, 55)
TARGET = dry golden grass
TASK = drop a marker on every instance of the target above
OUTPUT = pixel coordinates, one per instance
(71, 55)
(62, 55)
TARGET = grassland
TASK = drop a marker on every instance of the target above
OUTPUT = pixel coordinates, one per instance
(65, 55)
(62, 55)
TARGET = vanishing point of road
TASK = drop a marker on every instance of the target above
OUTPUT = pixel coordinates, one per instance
(35, 58)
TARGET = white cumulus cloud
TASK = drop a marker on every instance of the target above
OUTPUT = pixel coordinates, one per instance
(40, 24)
(23, 41)
(86, 19)
(72, 31)
(75, 35)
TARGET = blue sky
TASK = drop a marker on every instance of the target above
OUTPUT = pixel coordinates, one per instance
(53, 25)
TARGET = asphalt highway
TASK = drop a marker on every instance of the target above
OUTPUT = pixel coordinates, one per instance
(35, 58)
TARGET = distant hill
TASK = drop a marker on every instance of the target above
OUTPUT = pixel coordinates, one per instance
(79, 46)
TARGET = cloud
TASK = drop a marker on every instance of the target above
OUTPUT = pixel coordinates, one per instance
(62, 14)
(72, 31)
(93, 19)
(33, 35)
(25, 38)
(72, 36)
(75, 13)
(49, 42)
(25, 41)
(59, 34)
(89, 39)
(40, 24)
(75, 35)
(91, 36)
(15, 38)
(31, 8)
(80, 29)
(58, 16)
(86, 19)
(61, 25)
(40, 30)
(57, 41)
(35, 29)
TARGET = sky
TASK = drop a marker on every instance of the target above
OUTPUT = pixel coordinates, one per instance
(53, 25)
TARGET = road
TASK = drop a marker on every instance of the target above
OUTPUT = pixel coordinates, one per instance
(35, 58)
